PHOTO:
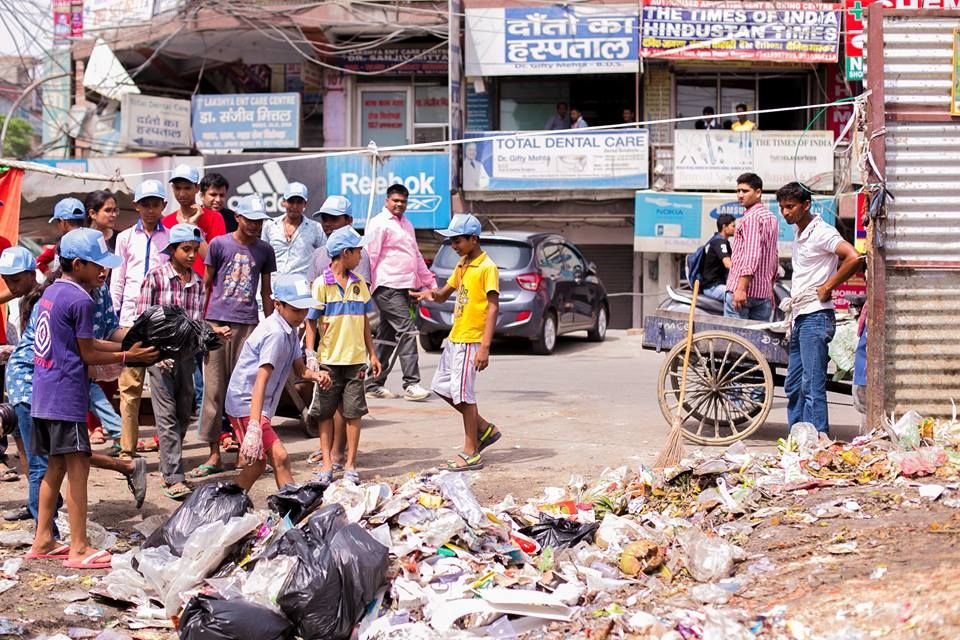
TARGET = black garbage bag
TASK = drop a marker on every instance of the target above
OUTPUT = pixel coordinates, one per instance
(211, 502)
(560, 533)
(296, 500)
(208, 618)
(339, 570)
(171, 332)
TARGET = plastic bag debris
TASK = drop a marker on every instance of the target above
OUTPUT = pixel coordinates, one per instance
(206, 618)
(85, 610)
(212, 502)
(560, 533)
(263, 585)
(454, 487)
(907, 429)
(97, 535)
(709, 559)
(171, 332)
(297, 500)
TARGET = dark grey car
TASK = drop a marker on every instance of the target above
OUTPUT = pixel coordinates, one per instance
(546, 289)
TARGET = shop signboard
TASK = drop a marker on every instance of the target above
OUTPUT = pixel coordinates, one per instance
(735, 30)
(563, 160)
(426, 175)
(67, 22)
(152, 122)
(713, 159)
(103, 14)
(670, 222)
(545, 39)
(247, 121)
(422, 60)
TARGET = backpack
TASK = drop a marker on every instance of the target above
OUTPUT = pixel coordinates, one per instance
(695, 263)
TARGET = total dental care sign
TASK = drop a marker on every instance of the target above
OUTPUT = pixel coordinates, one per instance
(782, 31)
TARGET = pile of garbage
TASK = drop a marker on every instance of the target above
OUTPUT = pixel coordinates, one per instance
(631, 553)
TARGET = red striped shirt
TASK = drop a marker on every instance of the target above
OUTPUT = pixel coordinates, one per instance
(164, 286)
(755, 252)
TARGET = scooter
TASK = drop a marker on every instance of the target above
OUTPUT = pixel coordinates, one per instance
(678, 299)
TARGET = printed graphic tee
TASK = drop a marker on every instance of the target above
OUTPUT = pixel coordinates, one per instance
(238, 268)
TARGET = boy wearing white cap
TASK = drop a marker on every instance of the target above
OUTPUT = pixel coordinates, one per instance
(239, 264)
(140, 249)
(185, 182)
(293, 237)
(268, 356)
(466, 351)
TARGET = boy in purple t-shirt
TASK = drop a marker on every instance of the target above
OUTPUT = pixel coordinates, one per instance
(239, 265)
(64, 346)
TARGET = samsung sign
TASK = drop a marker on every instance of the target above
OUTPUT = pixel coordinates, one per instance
(425, 175)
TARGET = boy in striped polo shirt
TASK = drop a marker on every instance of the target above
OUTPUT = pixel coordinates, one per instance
(345, 345)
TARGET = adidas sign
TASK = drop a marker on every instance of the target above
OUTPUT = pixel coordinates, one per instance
(270, 182)
(423, 195)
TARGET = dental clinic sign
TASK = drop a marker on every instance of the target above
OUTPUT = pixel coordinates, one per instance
(425, 175)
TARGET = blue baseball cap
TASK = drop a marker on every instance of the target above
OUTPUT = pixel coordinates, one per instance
(296, 190)
(182, 233)
(462, 224)
(252, 208)
(150, 189)
(16, 260)
(335, 206)
(88, 244)
(344, 238)
(69, 209)
(294, 290)
(185, 172)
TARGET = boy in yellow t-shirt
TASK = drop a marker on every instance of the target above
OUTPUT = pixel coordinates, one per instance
(466, 351)
(345, 344)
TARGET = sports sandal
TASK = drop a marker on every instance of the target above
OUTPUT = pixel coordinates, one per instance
(204, 470)
(489, 438)
(96, 560)
(59, 552)
(471, 463)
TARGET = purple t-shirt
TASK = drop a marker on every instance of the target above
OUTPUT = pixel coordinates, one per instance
(236, 281)
(61, 387)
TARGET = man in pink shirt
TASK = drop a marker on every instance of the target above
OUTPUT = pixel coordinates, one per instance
(396, 268)
(754, 259)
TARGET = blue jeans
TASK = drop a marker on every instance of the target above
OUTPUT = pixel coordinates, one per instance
(198, 380)
(806, 381)
(101, 407)
(760, 309)
(36, 465)
(717, 291)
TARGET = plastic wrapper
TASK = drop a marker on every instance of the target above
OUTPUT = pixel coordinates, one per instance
(206, 618)
(454, 487)
(560, 533)
(907, 429)
(338, 571)
(211, 502)
(709, 559)
(297, 500)
(171, 332)
(922, 462)
(806, 437)
(264, 583)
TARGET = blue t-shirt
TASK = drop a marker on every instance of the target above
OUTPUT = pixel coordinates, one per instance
(105, 320)
(61, 386)
(273, 342)
(19, 376)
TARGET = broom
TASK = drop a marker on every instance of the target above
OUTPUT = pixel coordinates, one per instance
(672, 451)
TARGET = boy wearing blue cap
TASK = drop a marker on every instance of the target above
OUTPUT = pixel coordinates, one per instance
(238, 265)
(345, 345)
(68, 214)
(185, 183)
(466, 351)
(256, 384)
(140, 249)
(293, 237)
(64, 346)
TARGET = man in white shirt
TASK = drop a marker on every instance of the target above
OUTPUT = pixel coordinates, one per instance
(576, 119)
(475, 177)
(293, 236)
(817, 250)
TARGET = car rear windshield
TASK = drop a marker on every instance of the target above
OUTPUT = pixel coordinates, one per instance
(508, 256)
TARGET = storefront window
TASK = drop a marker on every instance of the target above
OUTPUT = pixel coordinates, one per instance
(723, 92)
(527, 105)
(431, 113)
(384, 116)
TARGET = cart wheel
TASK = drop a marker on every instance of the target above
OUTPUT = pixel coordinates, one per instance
(729, 388)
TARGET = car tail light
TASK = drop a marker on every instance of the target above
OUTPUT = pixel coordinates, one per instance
(530, 281)
(524, 315)
(425, 312)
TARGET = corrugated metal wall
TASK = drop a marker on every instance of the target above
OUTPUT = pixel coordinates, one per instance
(921, 234)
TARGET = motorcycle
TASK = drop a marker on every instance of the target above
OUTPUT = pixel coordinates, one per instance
(679, 299)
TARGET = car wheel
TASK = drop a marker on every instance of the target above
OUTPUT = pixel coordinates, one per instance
(599, 331)
(431, 342)
(546, 342)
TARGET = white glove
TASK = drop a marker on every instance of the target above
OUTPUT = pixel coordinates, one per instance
(252, 446)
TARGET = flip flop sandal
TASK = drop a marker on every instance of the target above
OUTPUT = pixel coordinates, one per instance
(9, 475)
(177, 491)
(97, 560)
(114, 450)
(470, 463)
(315, 457)
(147, 447)
(137, 481)
(488, 438)
(97, 436)
(60, 552)
(229, 444)
(351, 476)
(204, 471)
(324, 477)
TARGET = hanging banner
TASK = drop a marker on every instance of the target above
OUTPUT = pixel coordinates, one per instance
(10, 184)
(545, 39)
(247, 121)
(67, 22)
(269, 178)
(567, 160)
(766, 31)
(712, 159)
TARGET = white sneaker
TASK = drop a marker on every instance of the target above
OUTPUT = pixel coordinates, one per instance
(381, 392)
(415, 393)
